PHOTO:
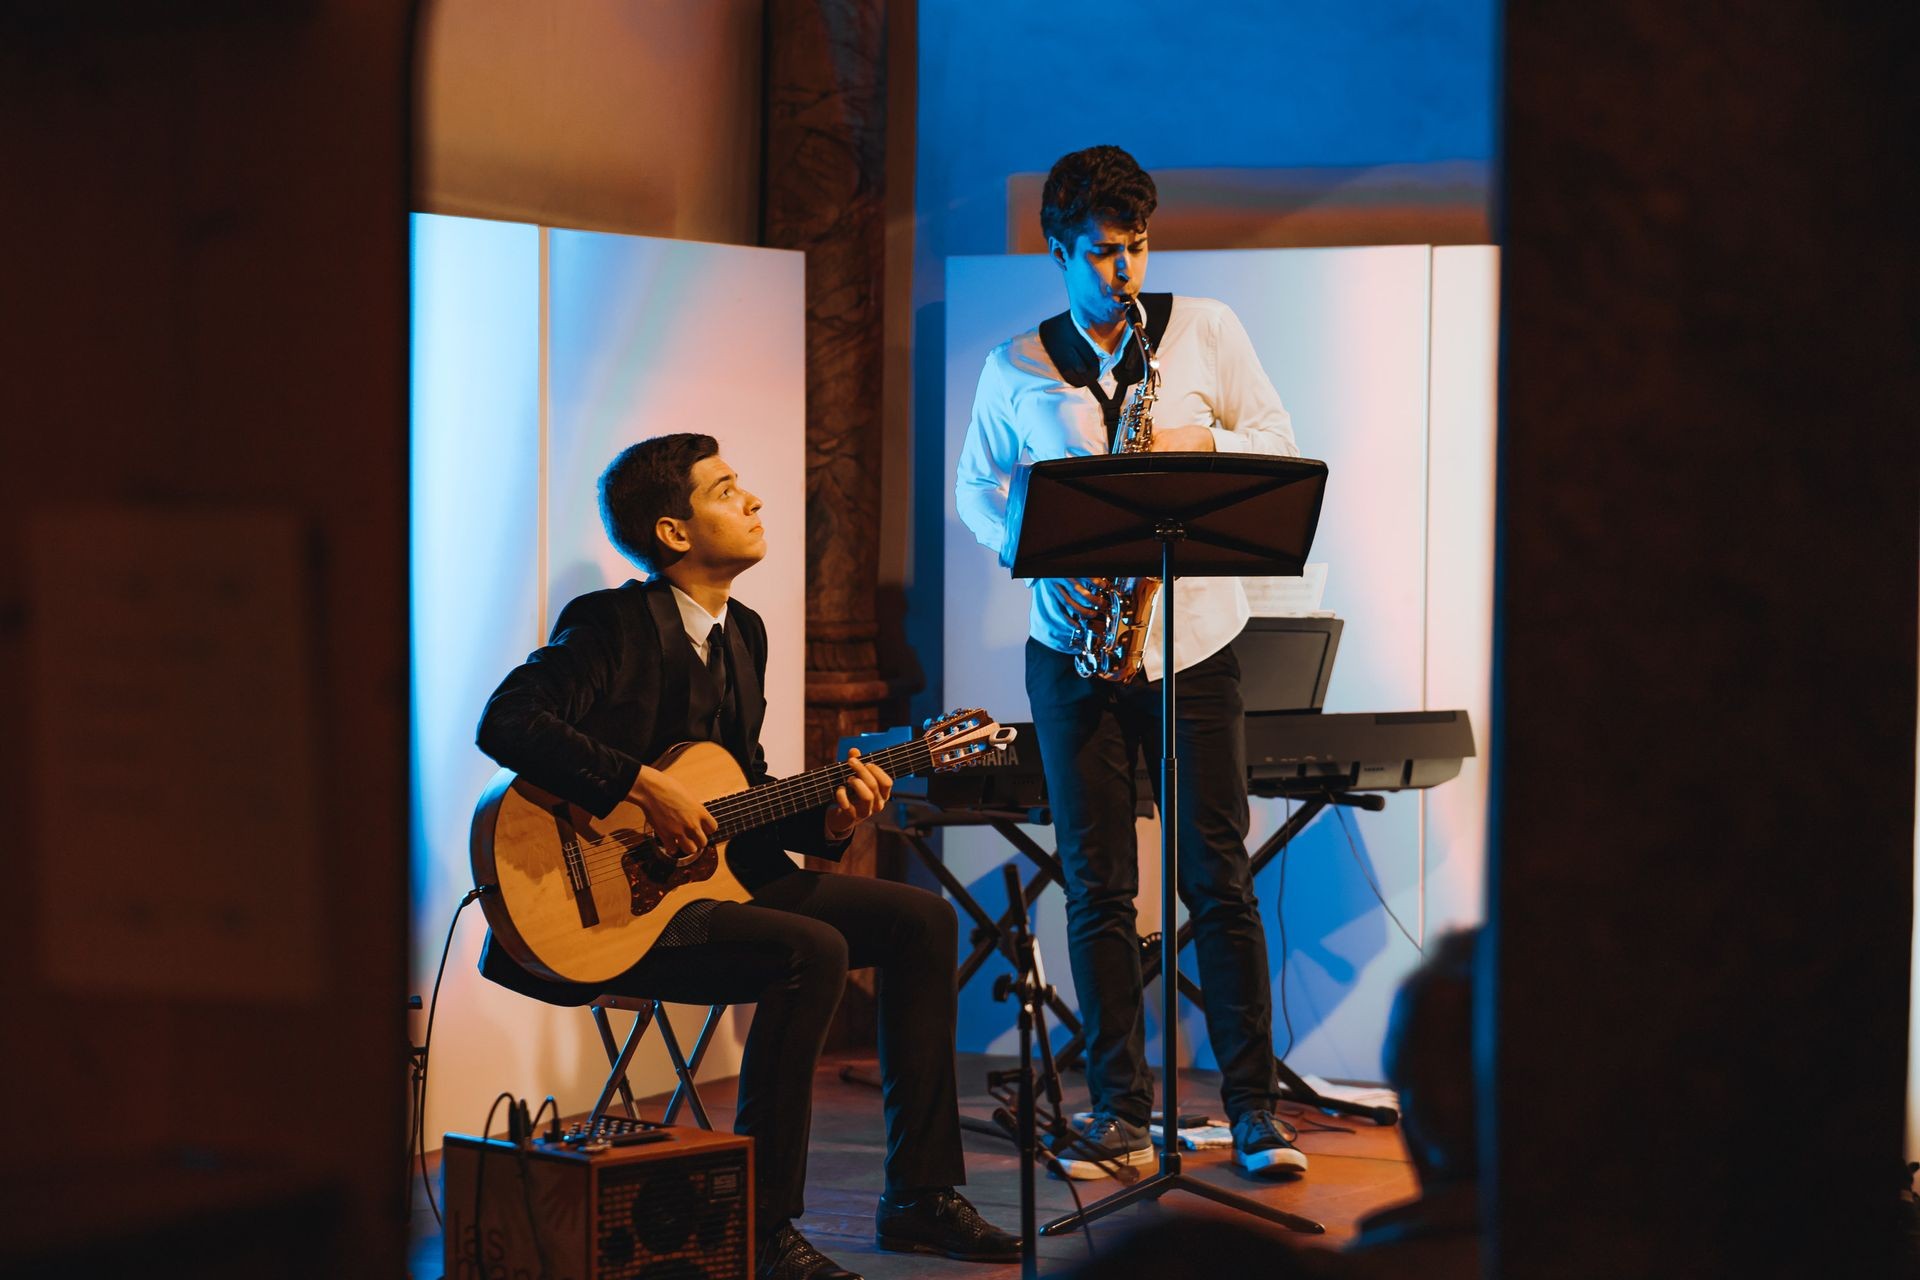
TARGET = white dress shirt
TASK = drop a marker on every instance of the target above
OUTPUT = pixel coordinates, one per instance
(698, 622)
(1023, 412)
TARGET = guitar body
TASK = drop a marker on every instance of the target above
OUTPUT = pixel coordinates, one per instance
(580, 898)
(577, 898)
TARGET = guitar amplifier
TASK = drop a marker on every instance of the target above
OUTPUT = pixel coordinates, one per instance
(681, 1208)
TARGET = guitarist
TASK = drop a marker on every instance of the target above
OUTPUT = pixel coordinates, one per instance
(632, 671)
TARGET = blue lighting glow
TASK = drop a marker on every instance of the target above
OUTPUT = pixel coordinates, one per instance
(475, 474)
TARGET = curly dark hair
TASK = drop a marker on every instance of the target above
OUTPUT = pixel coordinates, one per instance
(645, 482)
(1099, 184)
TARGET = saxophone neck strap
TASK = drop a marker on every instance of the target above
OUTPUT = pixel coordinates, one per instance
(1079, 364)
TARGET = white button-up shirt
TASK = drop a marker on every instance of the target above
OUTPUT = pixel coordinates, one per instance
(699, 623)
(1023, 412)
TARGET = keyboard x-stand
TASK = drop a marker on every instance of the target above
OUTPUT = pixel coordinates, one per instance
(1292, 1087)
(1319, 760)
(917, 820)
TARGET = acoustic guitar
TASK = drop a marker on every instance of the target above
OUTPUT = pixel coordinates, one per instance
(580, 899)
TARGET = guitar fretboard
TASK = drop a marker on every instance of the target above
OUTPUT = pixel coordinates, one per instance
(757, 806)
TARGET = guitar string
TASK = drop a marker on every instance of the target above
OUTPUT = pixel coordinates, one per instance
(754, 807)
(757, 806)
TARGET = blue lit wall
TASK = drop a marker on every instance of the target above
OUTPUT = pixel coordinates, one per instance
(1007, 88)
(475, 480)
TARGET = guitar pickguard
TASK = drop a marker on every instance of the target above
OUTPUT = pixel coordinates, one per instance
(651, 875)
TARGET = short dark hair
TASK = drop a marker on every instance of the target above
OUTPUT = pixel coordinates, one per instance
(1099, 184)
(644, 483)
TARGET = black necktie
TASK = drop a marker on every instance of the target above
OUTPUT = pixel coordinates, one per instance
(717, 662)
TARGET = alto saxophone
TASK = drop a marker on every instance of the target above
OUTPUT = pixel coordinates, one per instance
(1111, 640)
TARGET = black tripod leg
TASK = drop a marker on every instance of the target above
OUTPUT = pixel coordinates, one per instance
(1207, 1191)
(1159, 1184)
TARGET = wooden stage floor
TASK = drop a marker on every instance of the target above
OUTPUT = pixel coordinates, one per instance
(1356, 1167)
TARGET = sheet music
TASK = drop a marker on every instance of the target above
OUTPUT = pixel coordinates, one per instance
(1289, 597)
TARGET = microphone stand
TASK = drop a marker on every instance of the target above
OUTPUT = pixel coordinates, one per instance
(1031, 989)
(1024, 984)
(1036, 995)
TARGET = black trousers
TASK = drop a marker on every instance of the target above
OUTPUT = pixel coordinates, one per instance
(1091, 731)
(789, 950)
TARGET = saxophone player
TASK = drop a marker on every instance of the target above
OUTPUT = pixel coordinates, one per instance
(1059, 390)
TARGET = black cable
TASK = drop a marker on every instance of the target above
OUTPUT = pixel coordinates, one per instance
(533, 1125)
(522, 1149)
(426, 1052)
(1372, 883)
(1280, 916)
(1080, 1212)
(526, 1188)
(1048, 1157)
(415, 1099)
(480, 1169)
(1306, 1120)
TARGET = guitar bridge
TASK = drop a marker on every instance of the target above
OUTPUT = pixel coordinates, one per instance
(576, 864)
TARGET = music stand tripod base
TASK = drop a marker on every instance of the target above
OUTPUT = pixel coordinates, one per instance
(1121, 515)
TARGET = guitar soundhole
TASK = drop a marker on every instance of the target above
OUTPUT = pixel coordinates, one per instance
(652, 875)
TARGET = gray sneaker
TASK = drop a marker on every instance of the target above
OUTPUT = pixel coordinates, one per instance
(1263, 1145)
(1100, 1144)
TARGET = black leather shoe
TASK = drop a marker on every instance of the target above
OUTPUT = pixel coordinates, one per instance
(942, 1222)
(788, 1256)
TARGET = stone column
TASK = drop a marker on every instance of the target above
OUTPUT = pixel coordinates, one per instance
(825, 150)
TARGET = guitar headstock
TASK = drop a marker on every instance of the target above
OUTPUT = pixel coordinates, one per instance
(962, 738)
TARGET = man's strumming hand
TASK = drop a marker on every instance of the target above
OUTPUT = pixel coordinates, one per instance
(680, 823)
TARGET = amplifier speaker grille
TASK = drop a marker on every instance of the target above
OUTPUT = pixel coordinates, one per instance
(681, 1221)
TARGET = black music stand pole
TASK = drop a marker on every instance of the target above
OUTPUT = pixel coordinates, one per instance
(1120, 515)
(1026, 985)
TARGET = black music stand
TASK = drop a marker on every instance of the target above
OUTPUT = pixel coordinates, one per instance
(1120, 515)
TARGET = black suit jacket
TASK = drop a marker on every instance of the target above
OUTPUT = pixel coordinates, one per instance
(606, 694)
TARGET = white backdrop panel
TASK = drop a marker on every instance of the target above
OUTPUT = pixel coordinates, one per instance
(1466, 290)
(1344, 334)
(637, 337)
(475, 502)
(652, 336)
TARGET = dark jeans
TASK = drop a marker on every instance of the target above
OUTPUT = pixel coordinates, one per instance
(789, 950)
(1090, 733)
